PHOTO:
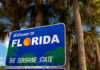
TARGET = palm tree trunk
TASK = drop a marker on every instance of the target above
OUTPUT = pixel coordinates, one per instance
(39, 18)
(32, 22)
(67, 57)
(16, 25)
(98, 55)
(68, 46)
(65, 3)
(80, 37)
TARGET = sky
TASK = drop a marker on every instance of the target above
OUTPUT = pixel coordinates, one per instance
(3, 51)
(98, 28)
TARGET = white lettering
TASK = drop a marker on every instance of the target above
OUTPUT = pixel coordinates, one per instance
(55, 39)
(13, 43)
(40, 41)
(18, 44)
(35, 40)
(46, 40)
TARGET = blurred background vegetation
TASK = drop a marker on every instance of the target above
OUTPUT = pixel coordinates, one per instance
(81, 17)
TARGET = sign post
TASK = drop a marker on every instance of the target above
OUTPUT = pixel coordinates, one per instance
(42, 46)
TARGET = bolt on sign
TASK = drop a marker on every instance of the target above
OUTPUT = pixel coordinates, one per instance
(38, 69)
(42, 46)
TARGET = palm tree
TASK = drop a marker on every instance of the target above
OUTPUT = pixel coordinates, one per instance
(91, 47)
(39, 12)
(4, 31)
(98, 54)
(91, 18)
(79, 34)
(64, 16)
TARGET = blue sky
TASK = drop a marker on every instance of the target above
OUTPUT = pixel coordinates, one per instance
(3, 51)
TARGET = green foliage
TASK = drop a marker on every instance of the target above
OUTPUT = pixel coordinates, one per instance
(4, 31)
(90, 13)
(58, 55)
(11, 51)
(99, 44)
